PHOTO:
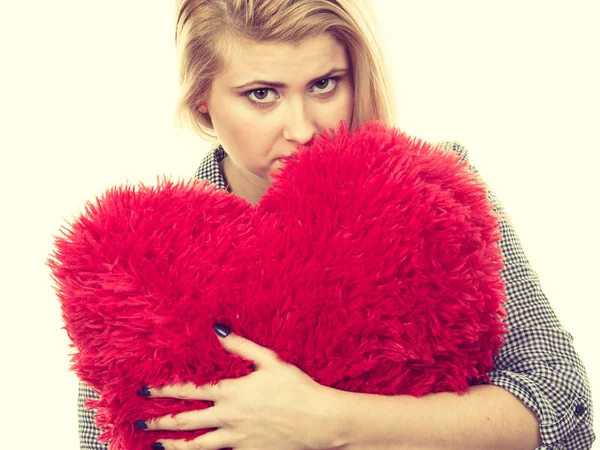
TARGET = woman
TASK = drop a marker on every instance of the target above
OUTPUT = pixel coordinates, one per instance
(263, 77)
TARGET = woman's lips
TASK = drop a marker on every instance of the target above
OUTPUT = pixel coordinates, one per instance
(307, 145)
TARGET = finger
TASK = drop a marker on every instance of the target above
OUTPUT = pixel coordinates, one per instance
(186, 421)
(262, 357)
(213, 440)
(189, 391)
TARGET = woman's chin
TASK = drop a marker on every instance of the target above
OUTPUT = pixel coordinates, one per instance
(278, 164)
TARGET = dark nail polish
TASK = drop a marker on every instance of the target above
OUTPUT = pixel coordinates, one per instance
(141, 424)
(222, 330)
(144, 392)
(157, 446)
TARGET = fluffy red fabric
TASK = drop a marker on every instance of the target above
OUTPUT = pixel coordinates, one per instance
(371, 263)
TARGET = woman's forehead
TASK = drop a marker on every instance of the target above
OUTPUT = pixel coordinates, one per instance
(282, 62)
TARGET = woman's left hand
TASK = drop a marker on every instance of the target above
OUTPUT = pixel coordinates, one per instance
(276, 407)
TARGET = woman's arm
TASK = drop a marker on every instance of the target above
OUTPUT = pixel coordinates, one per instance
(539, 385)
(88, 431)
(487, 417)
(538, 363)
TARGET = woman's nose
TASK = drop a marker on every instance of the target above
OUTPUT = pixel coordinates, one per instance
(299, 127)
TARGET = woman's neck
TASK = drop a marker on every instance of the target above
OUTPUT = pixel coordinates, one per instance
(240, 183)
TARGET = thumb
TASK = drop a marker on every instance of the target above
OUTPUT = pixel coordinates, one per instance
(262, 357)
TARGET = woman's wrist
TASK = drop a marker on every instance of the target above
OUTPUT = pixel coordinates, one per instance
(330, 420)
(349, 415)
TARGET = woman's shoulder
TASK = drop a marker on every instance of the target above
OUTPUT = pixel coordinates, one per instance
(454, 146)
(209, 167)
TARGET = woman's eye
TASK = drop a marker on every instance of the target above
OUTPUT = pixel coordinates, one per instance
(326, 85)
(261, 95)
(264, 97)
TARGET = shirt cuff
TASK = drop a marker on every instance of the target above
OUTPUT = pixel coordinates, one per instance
(555, 427)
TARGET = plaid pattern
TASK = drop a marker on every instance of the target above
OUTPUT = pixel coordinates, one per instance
(537, 364)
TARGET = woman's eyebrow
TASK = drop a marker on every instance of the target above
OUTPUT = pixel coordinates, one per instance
(283, 85)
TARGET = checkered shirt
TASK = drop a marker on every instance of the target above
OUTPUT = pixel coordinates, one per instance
(537, 363)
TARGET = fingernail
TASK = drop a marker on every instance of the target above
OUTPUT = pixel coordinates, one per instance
(222, 330)
(144, 392)
(157, 446)
(141, 424)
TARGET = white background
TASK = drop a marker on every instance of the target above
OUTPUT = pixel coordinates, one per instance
(86, 95)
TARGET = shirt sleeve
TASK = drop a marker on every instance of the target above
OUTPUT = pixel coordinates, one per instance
(538, 363)
(88, 431)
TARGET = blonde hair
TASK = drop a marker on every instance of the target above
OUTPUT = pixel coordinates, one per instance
(205, 29)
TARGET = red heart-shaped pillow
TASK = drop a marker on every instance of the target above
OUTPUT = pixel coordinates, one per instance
(371, 263)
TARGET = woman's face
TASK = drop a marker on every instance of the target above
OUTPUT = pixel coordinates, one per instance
(274, 97)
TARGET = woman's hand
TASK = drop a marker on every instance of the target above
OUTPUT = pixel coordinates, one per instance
(276, 407)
